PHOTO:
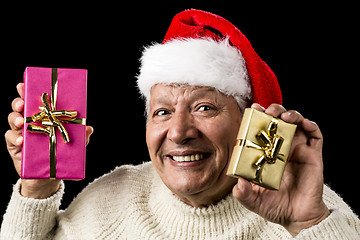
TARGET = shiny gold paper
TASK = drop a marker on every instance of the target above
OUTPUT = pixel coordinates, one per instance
(262, 148)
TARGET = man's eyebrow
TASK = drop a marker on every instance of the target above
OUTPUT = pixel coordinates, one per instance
(160, 101)
(204, 93)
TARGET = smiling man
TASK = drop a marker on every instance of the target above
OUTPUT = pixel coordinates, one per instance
(190, 131)
(196, 85)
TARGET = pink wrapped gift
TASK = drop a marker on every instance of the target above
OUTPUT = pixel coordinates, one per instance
(55, 130)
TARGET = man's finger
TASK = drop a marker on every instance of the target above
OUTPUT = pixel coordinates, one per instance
(275, 110)
(89, 132)
(20, 89)
(243, 192)
(258, 107)
(14, 142)
(17, 105)
(314, 134)
(292, 116)
(16, 121)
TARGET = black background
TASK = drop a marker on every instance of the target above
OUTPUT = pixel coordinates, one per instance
(313, 50)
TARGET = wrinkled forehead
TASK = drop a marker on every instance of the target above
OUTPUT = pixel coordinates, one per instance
(163, 88)
(167, 92)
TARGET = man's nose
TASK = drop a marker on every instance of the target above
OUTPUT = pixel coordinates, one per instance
(182, 128)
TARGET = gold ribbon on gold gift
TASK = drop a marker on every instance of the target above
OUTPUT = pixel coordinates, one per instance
(51, 118)
(271, 144)
(262, 149)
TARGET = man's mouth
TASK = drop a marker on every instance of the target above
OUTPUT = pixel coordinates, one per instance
(188, 158)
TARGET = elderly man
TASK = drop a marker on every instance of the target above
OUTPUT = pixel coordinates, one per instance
(196, 86)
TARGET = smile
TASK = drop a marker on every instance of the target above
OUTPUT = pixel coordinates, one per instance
(188, 158)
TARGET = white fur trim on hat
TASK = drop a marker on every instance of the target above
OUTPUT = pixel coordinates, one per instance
(197, 62)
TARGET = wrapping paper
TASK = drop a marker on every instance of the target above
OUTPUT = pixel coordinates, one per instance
(71, 94)
(262, 148)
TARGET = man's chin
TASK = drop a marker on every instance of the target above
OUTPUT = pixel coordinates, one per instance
(187, 184)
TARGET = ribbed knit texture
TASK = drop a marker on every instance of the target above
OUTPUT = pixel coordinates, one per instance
(27, 214)
(131, 202)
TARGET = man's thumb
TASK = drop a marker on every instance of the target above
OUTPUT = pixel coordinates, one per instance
(243, 192)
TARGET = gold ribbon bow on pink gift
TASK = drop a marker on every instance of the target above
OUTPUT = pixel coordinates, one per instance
(51, 118)
(271, 144)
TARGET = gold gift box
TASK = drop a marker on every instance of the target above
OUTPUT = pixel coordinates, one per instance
(262, 148)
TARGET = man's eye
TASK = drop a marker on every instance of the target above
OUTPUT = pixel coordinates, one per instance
(161, 112)
(205, 108)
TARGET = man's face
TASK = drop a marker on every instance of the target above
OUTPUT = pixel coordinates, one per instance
(190, 135)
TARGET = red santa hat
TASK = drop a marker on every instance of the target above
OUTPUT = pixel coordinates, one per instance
(203, 49)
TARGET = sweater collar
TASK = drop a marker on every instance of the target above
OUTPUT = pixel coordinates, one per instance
(165, 205)
(158, 212)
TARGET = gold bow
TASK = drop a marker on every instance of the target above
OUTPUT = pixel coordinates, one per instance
(51, 118)
(271, 144)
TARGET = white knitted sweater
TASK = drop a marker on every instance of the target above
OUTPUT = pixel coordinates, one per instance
(131, 202)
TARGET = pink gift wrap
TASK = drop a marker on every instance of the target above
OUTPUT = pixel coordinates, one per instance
(71, 95)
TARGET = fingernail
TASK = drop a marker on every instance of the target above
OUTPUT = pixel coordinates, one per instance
(19, 140)
(91, 130)
(19, 104)
(19, 121)
(256, 104)
(240, 187)
(312, 122)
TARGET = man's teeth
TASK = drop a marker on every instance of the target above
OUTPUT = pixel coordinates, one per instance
(188, 158)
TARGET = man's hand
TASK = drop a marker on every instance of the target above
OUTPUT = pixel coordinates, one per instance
(34, 188)
(298, 204)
